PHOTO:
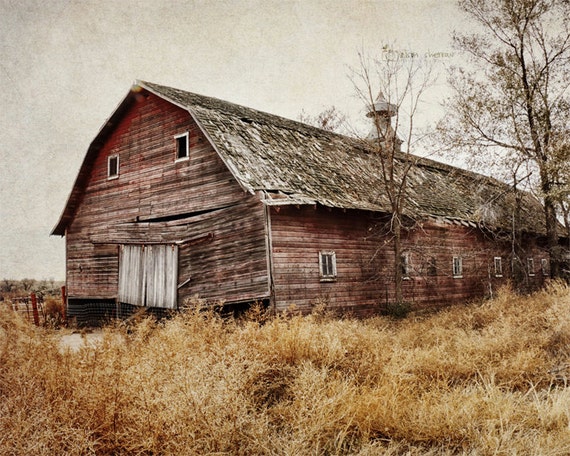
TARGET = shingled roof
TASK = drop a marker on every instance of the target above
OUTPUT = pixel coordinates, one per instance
(294, 163)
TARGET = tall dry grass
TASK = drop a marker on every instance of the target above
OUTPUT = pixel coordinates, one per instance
(485, 379)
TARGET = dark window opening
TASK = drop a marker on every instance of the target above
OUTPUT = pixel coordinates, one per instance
(405, 265)
(182, 147)
(544, 266)
(113, 167)
(432, 267)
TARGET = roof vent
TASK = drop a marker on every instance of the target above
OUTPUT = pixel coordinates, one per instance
(381, 113)
(382, 108)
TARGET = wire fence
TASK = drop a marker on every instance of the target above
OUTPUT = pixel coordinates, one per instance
(37, 309)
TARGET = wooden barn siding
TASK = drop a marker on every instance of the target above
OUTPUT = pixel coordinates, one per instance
(151, 185)
(227, 260)
(365, 262)
(298, 235)
(477, 250)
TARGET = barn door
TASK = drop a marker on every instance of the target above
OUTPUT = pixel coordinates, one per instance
(148, 275)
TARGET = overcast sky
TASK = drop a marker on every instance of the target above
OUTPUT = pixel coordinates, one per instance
(66, 65)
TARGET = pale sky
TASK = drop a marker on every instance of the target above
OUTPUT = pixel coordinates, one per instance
(66, 65)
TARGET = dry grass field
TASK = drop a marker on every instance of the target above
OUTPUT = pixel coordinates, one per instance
(478, 379)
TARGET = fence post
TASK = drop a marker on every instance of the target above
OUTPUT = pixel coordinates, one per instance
(35, 309)
(64, 306)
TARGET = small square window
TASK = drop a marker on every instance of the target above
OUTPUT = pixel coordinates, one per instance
(327, 266)
(457, 267)
(182, 147)
(498, 262)
(113, 167)
(530, 266)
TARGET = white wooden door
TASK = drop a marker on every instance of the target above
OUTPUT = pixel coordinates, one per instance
(148, 275)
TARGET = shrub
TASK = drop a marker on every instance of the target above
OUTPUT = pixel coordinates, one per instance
(397, 309)
(53, 311)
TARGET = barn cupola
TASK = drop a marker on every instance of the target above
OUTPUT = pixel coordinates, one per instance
(381, 113)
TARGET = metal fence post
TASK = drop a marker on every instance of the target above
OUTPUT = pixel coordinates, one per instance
(64, 306)
(35, 309)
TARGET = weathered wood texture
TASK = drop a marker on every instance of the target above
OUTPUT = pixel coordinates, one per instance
(195, 203)
(365, 262)
(228, 241)
(298, 235)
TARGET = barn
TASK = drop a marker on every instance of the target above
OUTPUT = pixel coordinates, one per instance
(182, 196)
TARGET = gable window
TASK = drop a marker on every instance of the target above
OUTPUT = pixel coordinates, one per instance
(530, 266)
(457, 267)
(182, 147)
(498, 266)
(113, 167)
(327, 266)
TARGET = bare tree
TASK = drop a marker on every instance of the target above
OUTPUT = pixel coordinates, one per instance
(510, 100)
(28, 284)
(331, 119)
(392, 87)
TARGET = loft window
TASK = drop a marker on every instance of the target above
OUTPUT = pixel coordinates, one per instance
(405, 265)
(498, 266)
(457, 267)
(113, 167)
(327, 266)
(182, 146)
(530, 266)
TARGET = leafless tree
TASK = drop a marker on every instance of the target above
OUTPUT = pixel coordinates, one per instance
(510, 99)
(391, 87)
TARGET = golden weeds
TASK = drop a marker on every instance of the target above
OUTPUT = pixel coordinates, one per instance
(477, 380)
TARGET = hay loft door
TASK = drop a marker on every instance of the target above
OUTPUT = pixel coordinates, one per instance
(148, 275)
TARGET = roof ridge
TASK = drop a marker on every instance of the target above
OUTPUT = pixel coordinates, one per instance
(360, 143)
(239, 107)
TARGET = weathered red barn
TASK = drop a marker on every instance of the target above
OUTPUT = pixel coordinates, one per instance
(182, 195)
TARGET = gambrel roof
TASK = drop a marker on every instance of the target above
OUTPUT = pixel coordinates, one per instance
(291, 163)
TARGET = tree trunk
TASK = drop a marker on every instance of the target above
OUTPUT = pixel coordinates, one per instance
(552, 237)
(397, 228)
(551, 222)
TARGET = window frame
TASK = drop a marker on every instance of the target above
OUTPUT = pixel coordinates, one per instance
(432, 267)
(498, 266)
(457, 267)
(530, 267)
(327, 276)
(111, 158)
(178, 140)
(405, 265)
(545, 267)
